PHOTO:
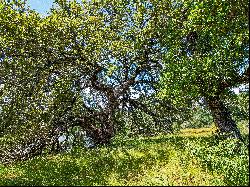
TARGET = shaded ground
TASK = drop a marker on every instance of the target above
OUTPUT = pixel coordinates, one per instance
(193, 157)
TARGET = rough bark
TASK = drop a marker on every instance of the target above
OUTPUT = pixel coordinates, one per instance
(100, 135)
(222, 116)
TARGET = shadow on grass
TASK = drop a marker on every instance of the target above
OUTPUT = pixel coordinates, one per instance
(179, 142)
(122, 159)
(92, 167)
(217, 155)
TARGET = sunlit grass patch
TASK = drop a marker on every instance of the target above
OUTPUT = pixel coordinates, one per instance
(197, 132)
(161, 160)
(175, 172)
(11, 174)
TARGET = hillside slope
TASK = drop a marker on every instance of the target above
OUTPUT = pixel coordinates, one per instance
(192, 157)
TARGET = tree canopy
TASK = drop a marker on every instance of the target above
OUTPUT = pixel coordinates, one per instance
(209, 54)
(84, 63)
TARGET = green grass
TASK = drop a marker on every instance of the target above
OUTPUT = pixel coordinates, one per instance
(192, 157)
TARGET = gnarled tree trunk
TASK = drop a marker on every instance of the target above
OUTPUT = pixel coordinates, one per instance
(222, 116)
(100, 135)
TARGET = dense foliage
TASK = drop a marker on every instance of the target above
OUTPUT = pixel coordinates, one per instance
(100, 68)
(208, 54)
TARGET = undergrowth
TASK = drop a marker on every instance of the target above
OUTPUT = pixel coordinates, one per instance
(193, 157)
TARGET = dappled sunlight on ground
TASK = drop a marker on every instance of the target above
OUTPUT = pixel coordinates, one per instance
(190, 158)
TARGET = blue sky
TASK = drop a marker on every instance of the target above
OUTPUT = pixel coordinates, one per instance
(41, 6)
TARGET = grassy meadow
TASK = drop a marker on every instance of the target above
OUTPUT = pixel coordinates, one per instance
(191, 157)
